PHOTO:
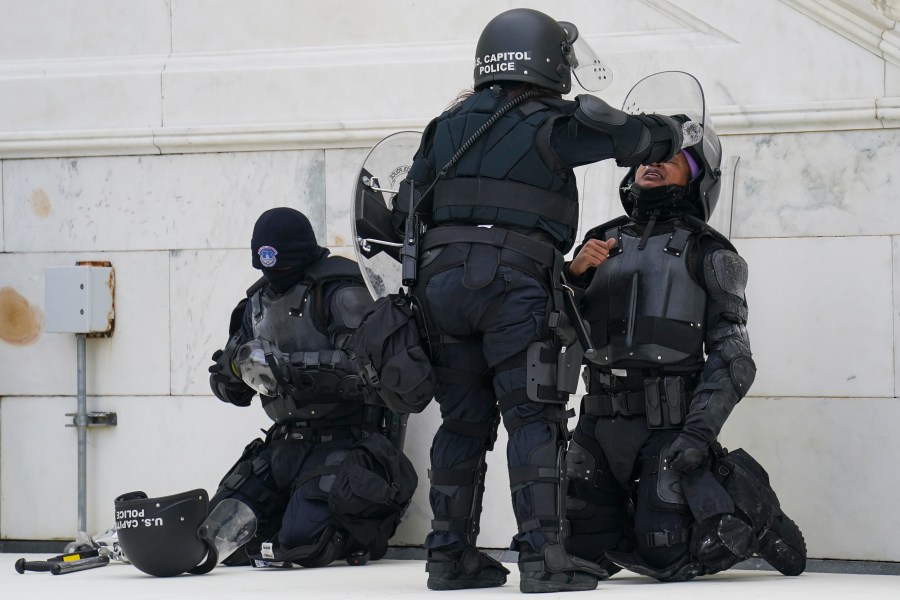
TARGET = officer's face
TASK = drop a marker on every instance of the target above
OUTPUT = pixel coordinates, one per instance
(673, 172)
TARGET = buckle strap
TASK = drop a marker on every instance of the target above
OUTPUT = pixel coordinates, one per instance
(533, 474)
(664, 539)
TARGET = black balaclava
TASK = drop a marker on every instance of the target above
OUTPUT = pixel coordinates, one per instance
(283, 245)
(666, 201)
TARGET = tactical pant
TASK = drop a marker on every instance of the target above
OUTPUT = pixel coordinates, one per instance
(285, 482)
(642, 514)
(479, 334)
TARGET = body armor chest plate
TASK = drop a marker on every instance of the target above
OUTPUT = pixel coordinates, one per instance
(644, 306)
(287, 320)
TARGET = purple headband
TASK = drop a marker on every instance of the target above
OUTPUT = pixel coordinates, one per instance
(692, 164)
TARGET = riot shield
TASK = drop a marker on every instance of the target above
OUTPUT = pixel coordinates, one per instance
(376, 243)
(668, 93)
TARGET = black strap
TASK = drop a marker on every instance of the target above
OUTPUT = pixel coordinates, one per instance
(663, 539)
(506, 194)
(623, 403)
(481, 430)
(460, 477)
(538, 251)
(678, 242)
(533, 474)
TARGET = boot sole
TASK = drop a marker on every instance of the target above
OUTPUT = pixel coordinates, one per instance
(442, 585)
(548, 587)
(786, 559)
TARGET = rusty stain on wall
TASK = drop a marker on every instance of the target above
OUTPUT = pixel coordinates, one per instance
(40, 203)
(20, 322)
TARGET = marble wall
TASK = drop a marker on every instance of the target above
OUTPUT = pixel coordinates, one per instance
(151, 134)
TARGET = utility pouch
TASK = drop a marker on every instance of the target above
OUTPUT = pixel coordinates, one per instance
(664, 401)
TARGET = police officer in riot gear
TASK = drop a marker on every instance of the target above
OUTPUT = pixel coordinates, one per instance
(288, 344)
(493, 181)
(651, 489)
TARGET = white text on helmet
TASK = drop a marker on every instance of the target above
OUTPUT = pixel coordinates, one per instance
(502, 57)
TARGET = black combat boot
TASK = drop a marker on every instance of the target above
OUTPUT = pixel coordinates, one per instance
(783, 546)
(552, 570)
(460, 570)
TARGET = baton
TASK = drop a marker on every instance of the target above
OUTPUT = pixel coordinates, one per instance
(581, 332)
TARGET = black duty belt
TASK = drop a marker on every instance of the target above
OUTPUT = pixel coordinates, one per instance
(538, 251)
(302, 431)
(622, 403)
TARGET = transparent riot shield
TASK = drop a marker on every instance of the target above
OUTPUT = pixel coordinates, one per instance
(668, 93)
(376, 244)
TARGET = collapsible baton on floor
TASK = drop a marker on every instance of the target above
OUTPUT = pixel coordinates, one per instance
(64, 563)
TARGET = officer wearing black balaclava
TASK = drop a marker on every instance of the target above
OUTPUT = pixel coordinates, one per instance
(651, 489)
(493, 179)
(289, 341)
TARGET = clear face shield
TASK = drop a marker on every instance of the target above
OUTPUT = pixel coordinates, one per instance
(228, 527)
(591, 73)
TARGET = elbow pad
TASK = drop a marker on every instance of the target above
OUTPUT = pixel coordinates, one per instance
(639, 139)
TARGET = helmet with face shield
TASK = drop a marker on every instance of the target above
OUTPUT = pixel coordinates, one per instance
(529, 46)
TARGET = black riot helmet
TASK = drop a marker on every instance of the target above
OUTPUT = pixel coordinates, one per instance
(529, 46)
(160, 535)
(698, 198)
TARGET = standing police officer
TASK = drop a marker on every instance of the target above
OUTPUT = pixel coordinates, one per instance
(651, 489)
(493, 180)
(288, 344)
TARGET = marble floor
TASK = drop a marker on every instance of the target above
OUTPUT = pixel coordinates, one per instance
(395, 579)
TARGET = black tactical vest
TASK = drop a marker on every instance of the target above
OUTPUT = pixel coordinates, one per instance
(644, 306)
(295, 321)
(504, 178)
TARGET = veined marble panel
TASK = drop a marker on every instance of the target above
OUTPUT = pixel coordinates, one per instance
(158, 202)
(205, 286)
(821, 316)
(161, 445)
(828, 462)
(816, 184)
(51, 29)
(135, 360)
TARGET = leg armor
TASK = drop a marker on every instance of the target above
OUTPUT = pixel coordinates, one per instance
(252, 481)
(537, 475)
(757, 526)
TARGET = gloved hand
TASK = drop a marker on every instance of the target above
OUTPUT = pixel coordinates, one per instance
(687, 453)
(225, 383)
(665, 138)
(680, 119)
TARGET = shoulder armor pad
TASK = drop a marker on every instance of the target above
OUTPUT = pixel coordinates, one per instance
(349, 305)
(727, 271)
(331, 268)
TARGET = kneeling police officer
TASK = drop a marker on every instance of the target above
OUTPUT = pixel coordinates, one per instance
(289, 341)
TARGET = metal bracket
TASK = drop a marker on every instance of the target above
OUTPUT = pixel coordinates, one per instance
(95, 419)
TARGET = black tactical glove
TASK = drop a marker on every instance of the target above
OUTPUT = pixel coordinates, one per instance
(713, 402)
(665, 137)
(225, 383)
(687, 453)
